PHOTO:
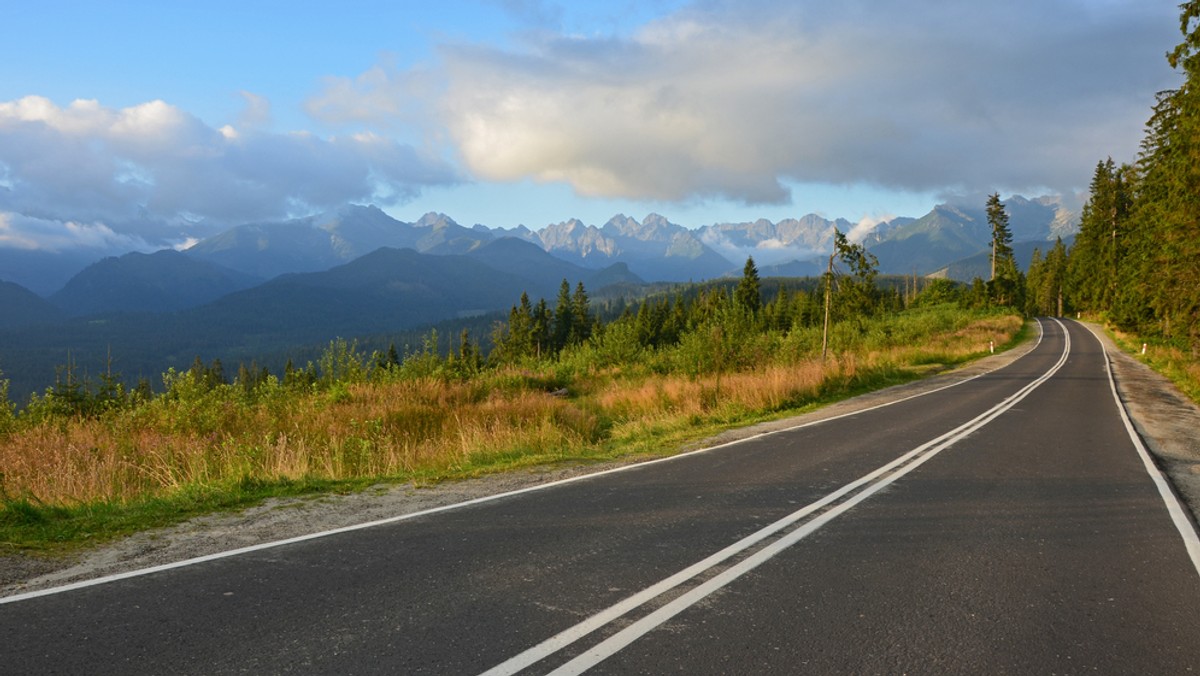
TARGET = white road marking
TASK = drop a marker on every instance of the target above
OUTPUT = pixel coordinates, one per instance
(458, 505)
(874, 482)
(1177, 511)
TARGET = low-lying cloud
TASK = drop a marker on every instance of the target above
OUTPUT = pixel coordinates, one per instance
(38, 234)
(134, 169)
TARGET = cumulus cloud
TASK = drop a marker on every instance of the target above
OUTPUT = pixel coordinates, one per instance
(735, 99)
(134, 169)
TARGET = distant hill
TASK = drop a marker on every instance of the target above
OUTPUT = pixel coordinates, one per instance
(931, 242)
(317, 243)
(385, 292)
(388, 289)
(980, 264)
(809, 268)
(529, 261)
(20, 307)
(43, 272)
(164, 281)
(949, 234)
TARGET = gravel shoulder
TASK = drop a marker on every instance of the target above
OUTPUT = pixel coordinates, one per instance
(1163, 416)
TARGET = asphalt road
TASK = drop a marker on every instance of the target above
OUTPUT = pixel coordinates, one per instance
(1006, 524)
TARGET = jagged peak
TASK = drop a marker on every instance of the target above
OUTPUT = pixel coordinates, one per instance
(434, 219)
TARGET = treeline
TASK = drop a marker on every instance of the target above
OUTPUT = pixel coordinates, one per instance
(695, 329)
(1136, 259)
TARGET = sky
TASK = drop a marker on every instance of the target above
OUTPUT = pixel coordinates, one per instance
(138, 125)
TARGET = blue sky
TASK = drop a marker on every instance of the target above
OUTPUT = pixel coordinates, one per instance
(141, 124)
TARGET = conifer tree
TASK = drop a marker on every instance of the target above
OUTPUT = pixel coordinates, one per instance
(1005, 285)
(581, 315)
(748, 294)
(1098, 251)
(1046, 282)
(1001, 243)
(564, 318)
(1167, 247)
(540, 329)
(514, 340)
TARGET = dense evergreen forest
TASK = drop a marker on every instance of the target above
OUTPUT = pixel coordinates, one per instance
(1136, 259)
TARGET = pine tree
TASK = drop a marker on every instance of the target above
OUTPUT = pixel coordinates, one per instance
(1005, 285)
(748, 294)
(1104, 223)
(514, 341)
(469, 358)
(1001, 243)
(1054, 279)
(1033, 283)
(540, 329)
(1170, 164)
(581, 315)
(564, 318)
(1046, 282)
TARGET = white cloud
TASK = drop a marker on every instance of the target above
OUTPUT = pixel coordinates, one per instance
(39, 234)
(735, 99)
(186, 244)
(866, 226)
(136, 168)
(257, 113)
(770, 251)
(382, 96)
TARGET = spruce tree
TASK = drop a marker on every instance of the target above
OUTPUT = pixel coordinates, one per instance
(564, 318)
(581, 315)
(1168, 213)
(748, 294)
(1099, 248)
(997, 218)
(1006, 282)
(540, 329)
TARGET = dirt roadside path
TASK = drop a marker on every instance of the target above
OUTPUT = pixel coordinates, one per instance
(1165, 418)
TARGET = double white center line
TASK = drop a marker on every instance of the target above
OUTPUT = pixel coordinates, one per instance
(826, 510)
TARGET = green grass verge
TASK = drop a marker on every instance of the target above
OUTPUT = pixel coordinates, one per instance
(1171, 362)
(50, 530)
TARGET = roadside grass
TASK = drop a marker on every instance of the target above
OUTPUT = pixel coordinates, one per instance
(67, 482)
(1176, 364)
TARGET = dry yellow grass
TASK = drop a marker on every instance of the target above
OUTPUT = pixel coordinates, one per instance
(402, 428)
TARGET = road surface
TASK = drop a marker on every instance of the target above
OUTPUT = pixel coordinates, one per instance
(1008, 523)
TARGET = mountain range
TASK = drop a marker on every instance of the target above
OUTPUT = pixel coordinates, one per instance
(654, 249)
(262, 287)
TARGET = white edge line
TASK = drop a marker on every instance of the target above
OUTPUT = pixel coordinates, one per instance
(115, 577)
(1183, 524)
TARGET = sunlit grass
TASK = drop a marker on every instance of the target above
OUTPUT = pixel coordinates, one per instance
(1180, 367)
(73, 478)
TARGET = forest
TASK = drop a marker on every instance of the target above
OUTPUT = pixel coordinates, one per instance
(1137, 256)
